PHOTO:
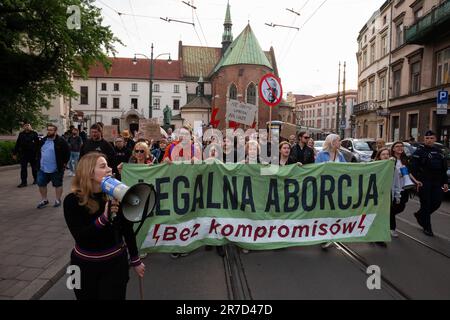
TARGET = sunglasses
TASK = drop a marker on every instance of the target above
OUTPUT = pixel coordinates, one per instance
(139, 151)
(305, 137)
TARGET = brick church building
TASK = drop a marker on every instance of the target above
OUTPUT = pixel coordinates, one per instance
(215, 75)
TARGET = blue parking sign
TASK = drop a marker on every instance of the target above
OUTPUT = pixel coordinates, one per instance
(442, 97)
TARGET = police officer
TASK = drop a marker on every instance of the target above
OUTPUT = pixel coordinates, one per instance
(429, 166)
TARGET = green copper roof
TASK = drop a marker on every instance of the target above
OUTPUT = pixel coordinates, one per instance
(245, 49)
(228, 15)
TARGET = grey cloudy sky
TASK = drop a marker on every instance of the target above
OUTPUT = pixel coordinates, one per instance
(307, 59)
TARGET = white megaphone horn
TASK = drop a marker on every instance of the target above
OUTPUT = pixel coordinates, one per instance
(407, 182)
(133, 199)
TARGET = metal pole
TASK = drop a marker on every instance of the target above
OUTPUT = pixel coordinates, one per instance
(343, 106)
(150, 103)
(338, 98)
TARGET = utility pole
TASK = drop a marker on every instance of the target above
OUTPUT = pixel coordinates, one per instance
(344, 120)
(338, 98)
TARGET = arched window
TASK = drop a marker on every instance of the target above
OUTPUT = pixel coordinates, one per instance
(233, 92)
(251, 94)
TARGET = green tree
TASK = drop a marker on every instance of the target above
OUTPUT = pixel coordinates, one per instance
(40, 51)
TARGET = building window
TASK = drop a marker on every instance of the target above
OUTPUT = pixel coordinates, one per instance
(399, 34)
(134, 103)
(418, 14)
(413, 125)
(395, 128)
(233, 92)
(83, 95)
(319, 112)
(103, 102)
(384, 20)
(364, 59)
(372, 89)
(382, 88)
(443, 66)
(176, 88)
(115, 122)
(116, 87)
(176, 104)
(319, 123)
(364, 93)
(397, 84)
(384, 45)
(156, 87)
(372, 53)
(251, 94)
(103, 86)
(415, 77)
(134, 87)
(116, 103)
(156, 103)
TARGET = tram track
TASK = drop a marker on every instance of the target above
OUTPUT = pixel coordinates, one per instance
(423, 244)
(236, 279)
(361, 262)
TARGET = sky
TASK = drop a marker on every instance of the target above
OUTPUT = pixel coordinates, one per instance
(307, 58)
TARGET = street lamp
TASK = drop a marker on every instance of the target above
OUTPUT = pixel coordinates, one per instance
(169, 61)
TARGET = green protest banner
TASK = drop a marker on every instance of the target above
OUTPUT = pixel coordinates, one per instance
(215, 203)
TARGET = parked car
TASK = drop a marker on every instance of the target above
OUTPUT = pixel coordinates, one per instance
(362, 149)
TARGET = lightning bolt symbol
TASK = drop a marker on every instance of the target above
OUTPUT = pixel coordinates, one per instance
(156, 236)
(214, 122)
(360, 225)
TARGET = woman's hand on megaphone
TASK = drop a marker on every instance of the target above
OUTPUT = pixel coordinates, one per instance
(140, 270)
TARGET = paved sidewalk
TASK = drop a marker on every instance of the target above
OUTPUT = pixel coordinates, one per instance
(34, 244)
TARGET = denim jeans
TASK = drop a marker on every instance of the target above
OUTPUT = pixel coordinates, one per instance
(74, 156)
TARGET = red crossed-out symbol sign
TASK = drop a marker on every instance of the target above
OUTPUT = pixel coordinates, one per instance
(270, 90)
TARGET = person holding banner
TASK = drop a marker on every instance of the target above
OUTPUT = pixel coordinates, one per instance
(285, 150)
(400, 196)
(103, 237)
(330, 153)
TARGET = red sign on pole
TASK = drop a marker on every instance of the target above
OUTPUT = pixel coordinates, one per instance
(270, 90)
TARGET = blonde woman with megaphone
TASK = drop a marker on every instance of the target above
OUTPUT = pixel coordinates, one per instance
(102, 246)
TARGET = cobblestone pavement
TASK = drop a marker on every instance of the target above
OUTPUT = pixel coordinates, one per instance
(34, 244)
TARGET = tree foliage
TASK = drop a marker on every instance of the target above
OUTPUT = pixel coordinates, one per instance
(39, 53)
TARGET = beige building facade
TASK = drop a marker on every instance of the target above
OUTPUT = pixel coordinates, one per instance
(320, 112)
(398, 90)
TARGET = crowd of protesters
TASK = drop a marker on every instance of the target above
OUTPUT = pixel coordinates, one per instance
(90, 159)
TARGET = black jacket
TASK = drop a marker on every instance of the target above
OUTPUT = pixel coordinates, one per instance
(429, 164)
(305, 155)
(102, 146)
(62, 152)
(27, 143)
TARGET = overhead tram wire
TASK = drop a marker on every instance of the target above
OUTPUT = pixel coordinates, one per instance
(122, 22)
(201, 29)
(134, 19)
(307, 20)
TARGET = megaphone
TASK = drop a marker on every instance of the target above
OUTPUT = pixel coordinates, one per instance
(407, 182)
(133, 198)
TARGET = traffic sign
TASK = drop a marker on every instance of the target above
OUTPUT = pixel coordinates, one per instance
(270, 90)
(442, 102)
(343, 124)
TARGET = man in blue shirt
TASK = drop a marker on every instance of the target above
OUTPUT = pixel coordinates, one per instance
(53, 155)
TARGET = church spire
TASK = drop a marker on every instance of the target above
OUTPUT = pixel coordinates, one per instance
(227, 36)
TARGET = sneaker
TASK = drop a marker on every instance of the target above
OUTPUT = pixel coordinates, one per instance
(22, 185)
(245, 251)
(42, 204)
(326, 245)
(177, 255)
(428, 232)
(394, 234)
(57, 204)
